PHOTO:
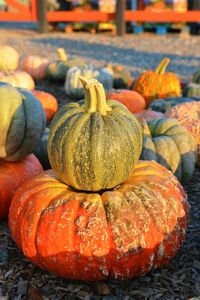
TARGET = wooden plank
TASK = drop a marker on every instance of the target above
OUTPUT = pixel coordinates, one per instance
(33, 8)
(162, 17)
(18, 6)
(15, 17)
(42, 16)
(120, 21)
(73, 16)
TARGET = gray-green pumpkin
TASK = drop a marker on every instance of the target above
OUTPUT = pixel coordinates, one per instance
(192, 90)
(74, 88)
(57, 70)
(162, 105)
(170, 144)
(41, 150)
(196, 77)
(122, 77)
(94, 145)
(22, 122)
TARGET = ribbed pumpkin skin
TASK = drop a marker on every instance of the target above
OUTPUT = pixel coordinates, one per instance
(192, 90)
(162, 105)
(119, 234)
(132, 100)
(188, 115)
(196, 77)
(35, 66)
(22, 122)
(48, 102)
(92, 152)
(169, 143)
(9, 58)
(152, 86)
(12, 175)
(41, 150)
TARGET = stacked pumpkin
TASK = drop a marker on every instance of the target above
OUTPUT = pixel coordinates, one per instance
(100, 212)
(22, 122)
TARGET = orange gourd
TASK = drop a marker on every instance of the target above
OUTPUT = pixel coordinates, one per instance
(119, 233)
(35, 66)
(48, 102)
(12, 175)
(131, 99)
(158, 84)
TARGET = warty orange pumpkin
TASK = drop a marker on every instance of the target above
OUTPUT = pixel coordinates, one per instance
(120, 233)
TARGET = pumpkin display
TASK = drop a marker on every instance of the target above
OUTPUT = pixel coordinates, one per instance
(188, 115)
(192, 90)
(35, 66)
(162, 105)
(196, 77)
(9, 58)
(122, 77)
(121, 233)
(12, 175)
(57, 70)
(22, 122)
(18, 79)
(158, 84)
(41, 150)
(48, 102)
(94, 145)
(73, 86)
(131, 99)
(148, 114)
(171, 145)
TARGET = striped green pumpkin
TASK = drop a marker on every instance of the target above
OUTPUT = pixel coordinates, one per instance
(94, 145)
(196, 77)
(192, 90)
(170, 144)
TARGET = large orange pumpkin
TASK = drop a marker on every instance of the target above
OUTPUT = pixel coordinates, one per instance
(12, 174)
(158, 84)
(35, 66)
(131, 99)
(118, 233)
(48, 102)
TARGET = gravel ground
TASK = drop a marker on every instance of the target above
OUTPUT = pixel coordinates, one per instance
(179, 280)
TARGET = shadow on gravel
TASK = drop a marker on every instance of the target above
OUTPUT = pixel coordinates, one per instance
(137, 61)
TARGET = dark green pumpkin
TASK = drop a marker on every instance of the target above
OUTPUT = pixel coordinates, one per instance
(170, 144)
(196, 77)
(41, 150)
(122, 77)
(57, 70)
(192, 90)
(22, 122)
(162, 105)
(94, 145)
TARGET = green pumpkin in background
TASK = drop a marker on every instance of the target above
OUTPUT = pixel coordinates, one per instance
(73, 87)
(192, 90)
(122, 77)
(57, 70)
(170, 144)
(196, 77)
(93, 144)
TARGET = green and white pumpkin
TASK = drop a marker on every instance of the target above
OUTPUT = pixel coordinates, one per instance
(192, 90)
(196, 77)
(170, 144)
(94, 145)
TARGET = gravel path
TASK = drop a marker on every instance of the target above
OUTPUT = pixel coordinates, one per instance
(179, 280)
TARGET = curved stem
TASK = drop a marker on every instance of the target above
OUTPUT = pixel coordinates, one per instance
(62, 55)
(162, 66)
(95, 98)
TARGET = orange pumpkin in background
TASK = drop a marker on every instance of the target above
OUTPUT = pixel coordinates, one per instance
(48, 102)
(12, 175)
(35, 65)
(131, 99)
(158, 84)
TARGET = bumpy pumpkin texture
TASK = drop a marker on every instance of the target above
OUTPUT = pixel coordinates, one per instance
(94, 145)
(162, 105)
(157, 84)
(131, 99)
(122, 233)
(12, 175)
(22, 122)
(169, 143)
(188, 115)
(48, 102)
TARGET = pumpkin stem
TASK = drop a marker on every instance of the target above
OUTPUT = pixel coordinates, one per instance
(95, 98)
(62, 55)
(162, 66)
